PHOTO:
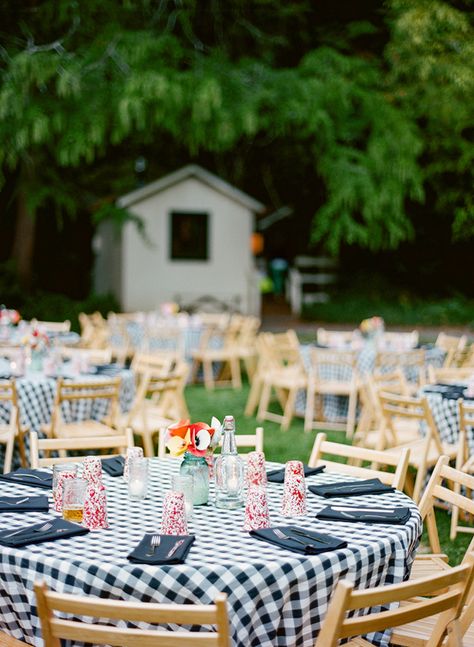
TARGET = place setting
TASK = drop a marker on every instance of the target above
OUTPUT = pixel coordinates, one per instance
(27, 476)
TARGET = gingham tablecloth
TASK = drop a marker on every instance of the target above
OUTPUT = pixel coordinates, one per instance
(276, 598)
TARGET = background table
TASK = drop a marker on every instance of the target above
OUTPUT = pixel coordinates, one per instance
(36, 393)
(276, 597)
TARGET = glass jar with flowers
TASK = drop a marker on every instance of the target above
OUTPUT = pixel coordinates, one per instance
(196, 443)
(36, 344)
(372, 328)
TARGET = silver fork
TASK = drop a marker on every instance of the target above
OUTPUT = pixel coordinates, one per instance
(154, 543)
(43, 528)
(282, 535)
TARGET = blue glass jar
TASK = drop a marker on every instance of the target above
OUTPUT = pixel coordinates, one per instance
(197, 467)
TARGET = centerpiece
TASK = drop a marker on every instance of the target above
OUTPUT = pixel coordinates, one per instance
(372, 328)
(196, 442)
(36, 344)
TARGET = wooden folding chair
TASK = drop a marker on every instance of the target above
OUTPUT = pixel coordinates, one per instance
(246, 344)
(452, 345)
(92, 444)
(401, 340)
(218, 346)
(282, 373)
(411, 362)
(97, 356)
(288, 352)
(465, 464)
(355, 457)
(446, 606)
(451, 374)
(52, 326)
(70, 396)
(425, 450)
(332, 372)
(159, 400)
(335, 338)
(435, 492)
(97, 632)
(12, 429)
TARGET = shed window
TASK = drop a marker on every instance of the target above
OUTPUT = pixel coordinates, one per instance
(189, 235)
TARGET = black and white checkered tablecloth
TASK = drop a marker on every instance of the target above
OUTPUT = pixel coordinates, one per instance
(335, 406)
(446, 416)
(275, 597)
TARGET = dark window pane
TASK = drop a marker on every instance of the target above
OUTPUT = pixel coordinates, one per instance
(189, 235)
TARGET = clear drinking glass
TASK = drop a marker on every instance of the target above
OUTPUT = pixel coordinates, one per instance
(74, 494)
(137, 478)
(184, 483)
(61, 472)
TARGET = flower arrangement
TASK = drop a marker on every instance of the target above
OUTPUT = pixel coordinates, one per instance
(197, 438)
(372, 326)
(36, 340)
(9, 317)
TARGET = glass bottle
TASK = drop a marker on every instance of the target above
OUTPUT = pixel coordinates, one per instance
(196, 466)
(229, 470)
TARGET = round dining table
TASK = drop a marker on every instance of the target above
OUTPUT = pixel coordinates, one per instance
(443, 402)
(276, 597)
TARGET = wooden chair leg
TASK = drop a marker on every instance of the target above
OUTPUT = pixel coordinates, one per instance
(264, 401)
(289, 409)
(21, 448)
(208, 375)
(148, 448)
(7, 465)
(419, 481)
(351, 413)
(235, 373)
(195, 370)
(254, 395)
(309, 410)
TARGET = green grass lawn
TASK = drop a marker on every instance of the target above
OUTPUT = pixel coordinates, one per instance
(281, 446)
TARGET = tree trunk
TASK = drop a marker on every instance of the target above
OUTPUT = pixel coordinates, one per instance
(24, 241)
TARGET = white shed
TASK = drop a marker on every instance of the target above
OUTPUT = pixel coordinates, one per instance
(198, 229)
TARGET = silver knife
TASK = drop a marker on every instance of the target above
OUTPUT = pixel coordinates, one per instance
(175, 548)
(340, 508)
(308, 536)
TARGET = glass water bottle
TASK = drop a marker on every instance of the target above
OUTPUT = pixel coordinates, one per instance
(229, 470)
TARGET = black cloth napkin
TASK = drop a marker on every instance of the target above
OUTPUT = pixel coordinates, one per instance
(449, 391)
(113, 465)
(27, 476)
(313, 542)
(278, 476)
(351, 488)
(24, 503)
(397, 516)
(112, 370)
(33, 534)
(160, 556)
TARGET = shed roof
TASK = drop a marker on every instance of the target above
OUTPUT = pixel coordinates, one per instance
(191, 170)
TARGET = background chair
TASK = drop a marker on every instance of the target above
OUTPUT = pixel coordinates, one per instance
(335, 338)
(218, 346)
(283, 374)
(452, 345)
(355, 457)
(12, 429)
(465, 464)
(331, 373)
(159, 399)
(52, 326)
(437, 492)
(56, 627)
(118, 443)
(71, 396)
(447, 606)
(425, 449)
(411, 362)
